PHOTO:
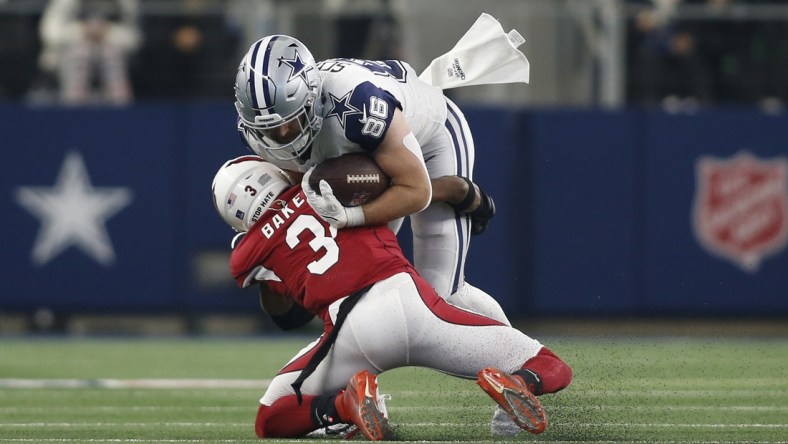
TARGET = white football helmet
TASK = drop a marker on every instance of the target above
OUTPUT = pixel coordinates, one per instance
(277, 96)
(245, 187)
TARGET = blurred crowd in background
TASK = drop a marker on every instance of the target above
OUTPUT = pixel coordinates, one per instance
(674, 53)
(708, 51)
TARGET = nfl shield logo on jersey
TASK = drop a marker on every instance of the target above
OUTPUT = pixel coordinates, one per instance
(741, 207)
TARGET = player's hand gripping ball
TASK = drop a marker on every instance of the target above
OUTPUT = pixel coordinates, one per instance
(355, 178)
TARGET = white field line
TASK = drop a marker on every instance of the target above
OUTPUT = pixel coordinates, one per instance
(584, 393)
(644, 408)
(24, 383)
(597, 425)
(602, 407)
(723, 393)
(146, 440)
(399, 409)
(131, 408)
(410, 409)
(33, 383)
(124, 424)
(255, 440)
(406, 424)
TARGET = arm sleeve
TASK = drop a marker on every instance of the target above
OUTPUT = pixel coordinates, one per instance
(294, 318)
(377, 109)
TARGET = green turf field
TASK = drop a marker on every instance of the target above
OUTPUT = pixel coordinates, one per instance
(694, 390)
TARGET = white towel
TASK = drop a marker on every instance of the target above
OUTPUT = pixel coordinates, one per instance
(484, 55)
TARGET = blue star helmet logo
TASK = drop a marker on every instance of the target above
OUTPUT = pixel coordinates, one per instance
(297, 66)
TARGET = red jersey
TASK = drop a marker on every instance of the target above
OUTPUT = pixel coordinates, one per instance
(295, 252)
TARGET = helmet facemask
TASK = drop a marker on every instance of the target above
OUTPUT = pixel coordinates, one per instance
(277, 92)
(291, 144)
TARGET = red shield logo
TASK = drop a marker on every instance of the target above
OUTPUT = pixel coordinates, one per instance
(741, 207)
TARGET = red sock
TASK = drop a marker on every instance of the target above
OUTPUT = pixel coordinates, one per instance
(285, 418)
(553, 373)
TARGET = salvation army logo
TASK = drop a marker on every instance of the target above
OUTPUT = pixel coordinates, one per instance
(741, 207)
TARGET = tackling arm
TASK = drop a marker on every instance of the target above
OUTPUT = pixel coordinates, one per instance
(466, 197)
(453, 190)
(283, 310)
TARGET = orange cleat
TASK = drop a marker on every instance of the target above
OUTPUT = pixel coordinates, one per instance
(513, 396)
(360, 406)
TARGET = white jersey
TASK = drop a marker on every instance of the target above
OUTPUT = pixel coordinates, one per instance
(358, 102)
(361, 96)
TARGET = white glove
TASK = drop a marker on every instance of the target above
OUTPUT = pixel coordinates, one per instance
(328, 207)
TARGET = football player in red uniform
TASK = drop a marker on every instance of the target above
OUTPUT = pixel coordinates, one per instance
(379, 314)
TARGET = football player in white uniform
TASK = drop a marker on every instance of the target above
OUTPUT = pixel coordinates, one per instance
(295, 112)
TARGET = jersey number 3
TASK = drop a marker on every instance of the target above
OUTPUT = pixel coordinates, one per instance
(308, 222)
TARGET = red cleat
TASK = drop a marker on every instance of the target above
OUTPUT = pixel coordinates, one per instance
(359, 405)
(513, 396)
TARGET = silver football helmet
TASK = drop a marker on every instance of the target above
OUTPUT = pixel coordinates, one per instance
(244, 188)
(277, 95)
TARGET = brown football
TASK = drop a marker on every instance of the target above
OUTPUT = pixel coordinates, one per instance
(355, 178)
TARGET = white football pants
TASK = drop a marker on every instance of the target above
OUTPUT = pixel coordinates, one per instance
(441, 236)
(402, 322)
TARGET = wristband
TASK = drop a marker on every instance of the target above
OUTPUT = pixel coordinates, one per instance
(355, 216)
(467, 201)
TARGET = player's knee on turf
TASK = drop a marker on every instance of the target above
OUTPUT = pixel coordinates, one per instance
(286, 418)
(269, 424)
(260, 422)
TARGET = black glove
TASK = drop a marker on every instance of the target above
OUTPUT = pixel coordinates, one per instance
(480, 217)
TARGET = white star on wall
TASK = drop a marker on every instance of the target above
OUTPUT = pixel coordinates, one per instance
(73, 213)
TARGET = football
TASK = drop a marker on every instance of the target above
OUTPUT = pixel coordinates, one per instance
(355, 178)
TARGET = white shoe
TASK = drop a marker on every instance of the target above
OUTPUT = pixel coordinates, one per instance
(341, 430)
(382, 398)
(502, 424)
